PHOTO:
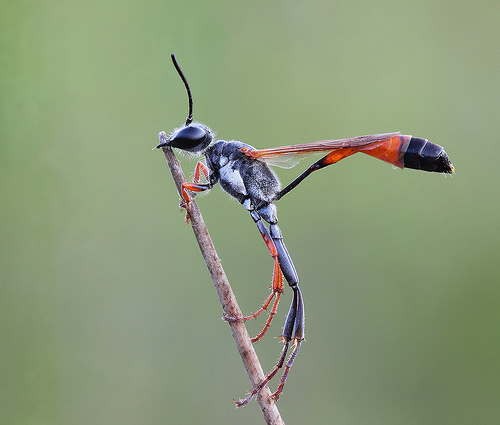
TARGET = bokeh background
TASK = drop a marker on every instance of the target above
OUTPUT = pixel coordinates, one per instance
(107, 313)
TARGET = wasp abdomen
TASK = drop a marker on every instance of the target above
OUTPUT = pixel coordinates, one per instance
(424, 155)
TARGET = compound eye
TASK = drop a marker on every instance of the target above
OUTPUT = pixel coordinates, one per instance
(191, 138)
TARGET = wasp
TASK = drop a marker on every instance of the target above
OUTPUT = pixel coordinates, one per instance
(244, 173)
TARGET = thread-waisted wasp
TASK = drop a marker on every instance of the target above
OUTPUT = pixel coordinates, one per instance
(244, 173)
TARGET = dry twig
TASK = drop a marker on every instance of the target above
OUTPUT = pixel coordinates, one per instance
(227, 298)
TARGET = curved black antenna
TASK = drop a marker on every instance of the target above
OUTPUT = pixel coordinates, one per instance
(189, 118)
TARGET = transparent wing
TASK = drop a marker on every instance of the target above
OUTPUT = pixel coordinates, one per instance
(288, 156)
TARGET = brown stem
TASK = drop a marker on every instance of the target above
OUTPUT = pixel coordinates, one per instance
(227, 298)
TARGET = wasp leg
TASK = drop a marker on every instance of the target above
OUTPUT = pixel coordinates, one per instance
(298, 337)
(200, 167)
(294, 328)
(277, 290)
(194, 186)
(277, 282)
(271, 313)
(294, 320)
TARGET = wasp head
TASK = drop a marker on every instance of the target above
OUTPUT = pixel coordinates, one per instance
(194, 137)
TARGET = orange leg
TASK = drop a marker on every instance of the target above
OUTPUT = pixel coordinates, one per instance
(277, 290)
(277, 283)
(194, 187)
(277, 286)
(203, 168)
(269, 318)
(295, 320)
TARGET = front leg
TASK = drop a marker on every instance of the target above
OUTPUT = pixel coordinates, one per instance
(195, 186)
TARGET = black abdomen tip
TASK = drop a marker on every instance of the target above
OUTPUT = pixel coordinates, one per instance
(424, 155)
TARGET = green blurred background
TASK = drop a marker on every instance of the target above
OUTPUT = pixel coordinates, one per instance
(107, 313)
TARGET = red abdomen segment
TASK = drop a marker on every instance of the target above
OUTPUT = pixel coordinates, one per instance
(411, 152)
(396, 149)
